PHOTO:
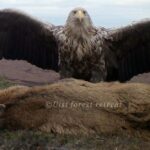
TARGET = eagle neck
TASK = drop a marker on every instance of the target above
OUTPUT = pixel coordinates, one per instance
(80, 41)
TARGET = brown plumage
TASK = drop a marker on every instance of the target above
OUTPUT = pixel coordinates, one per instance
(77, 49)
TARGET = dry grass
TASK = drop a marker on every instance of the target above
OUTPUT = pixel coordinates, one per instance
(123, 127)
(78, 107)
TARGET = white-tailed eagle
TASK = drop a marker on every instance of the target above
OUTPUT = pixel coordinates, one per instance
(78, 49)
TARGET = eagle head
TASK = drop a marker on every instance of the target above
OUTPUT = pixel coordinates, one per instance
(79, 31)
(79, 22)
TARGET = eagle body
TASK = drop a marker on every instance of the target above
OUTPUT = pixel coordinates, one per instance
(78, 49)
(82, 56)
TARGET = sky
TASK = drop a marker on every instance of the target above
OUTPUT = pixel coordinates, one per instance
(106, 13)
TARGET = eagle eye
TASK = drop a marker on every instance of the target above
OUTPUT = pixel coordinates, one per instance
(84, 12)
(74, 12)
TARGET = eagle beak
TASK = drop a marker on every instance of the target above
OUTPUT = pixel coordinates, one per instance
(80, 15)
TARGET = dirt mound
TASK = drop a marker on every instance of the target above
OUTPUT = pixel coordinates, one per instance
(76, 107)
(24, 73)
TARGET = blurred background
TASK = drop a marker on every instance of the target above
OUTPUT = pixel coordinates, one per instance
(107, 13)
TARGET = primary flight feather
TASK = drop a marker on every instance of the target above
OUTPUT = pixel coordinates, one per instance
(77, 49)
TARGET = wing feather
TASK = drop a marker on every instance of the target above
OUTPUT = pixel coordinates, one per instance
(131, 47)
(22, 37)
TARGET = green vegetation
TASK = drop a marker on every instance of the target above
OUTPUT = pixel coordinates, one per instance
(4, 83)
(30, 140)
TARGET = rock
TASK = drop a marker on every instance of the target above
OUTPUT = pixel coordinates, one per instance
(78, 107)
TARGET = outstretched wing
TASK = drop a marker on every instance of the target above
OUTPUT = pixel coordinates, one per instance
(130, 47)
(22, 37)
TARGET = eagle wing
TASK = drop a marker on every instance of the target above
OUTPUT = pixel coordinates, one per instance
(130, 48)
(22, 37)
